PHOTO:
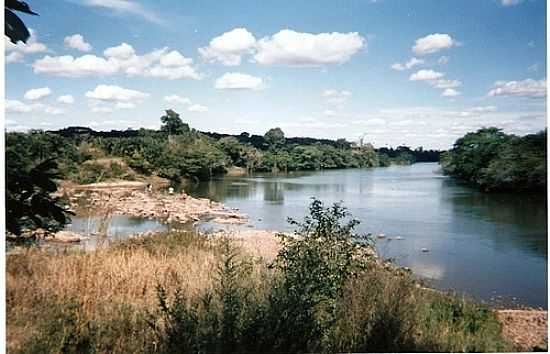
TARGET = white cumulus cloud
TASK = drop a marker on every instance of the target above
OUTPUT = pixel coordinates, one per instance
(450, 93)
(14, 106)
(66, 99)
(37, 94)
(291, 48)
(112, 93)
(18, 51)
(121, 59)
(76, 41)
(122, 51)
(409, 64)
(525, 88)
(68, 66)
(14, 57)
(229, 47)
(239, 81)
(433, 43)
(426, 75)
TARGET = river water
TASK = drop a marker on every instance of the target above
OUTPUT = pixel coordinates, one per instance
(492, 247)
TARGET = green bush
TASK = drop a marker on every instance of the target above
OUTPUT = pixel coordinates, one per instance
(323, 293)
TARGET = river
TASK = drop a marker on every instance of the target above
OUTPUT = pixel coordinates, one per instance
(492, 247)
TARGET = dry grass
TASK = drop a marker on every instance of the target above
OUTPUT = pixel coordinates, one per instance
(105, 297)
(123, 273)
(126, 274)
(257, 243)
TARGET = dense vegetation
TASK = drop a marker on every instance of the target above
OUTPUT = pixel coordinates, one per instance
(177, 151)
(496, 161)
(185, 293)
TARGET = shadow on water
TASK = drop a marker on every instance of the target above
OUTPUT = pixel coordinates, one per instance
(486, 245)
(523, 218)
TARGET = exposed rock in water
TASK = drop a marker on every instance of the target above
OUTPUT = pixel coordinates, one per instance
(65, 237)
(177, 207)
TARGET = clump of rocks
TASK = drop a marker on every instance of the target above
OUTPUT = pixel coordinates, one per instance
(178, 207)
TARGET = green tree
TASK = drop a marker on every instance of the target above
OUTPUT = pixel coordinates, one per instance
(234, 149)
(29, 203)
(275, 138)
(497, 161)
(172, 123)
(343, 144)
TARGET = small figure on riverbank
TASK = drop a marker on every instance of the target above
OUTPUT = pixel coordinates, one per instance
(170, 190)
(149, 188)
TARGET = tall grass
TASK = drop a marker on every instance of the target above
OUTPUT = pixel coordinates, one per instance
(185, 292)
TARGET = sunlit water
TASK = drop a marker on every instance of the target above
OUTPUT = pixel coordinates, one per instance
(492, 247)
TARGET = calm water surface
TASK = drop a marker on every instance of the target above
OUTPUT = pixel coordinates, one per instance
(101, 230)
(492, 247)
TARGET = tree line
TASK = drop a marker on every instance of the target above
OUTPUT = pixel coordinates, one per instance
(496, 161)
(177, 151)
(35, 159)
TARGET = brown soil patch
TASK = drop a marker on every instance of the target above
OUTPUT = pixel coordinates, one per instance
(528, 329)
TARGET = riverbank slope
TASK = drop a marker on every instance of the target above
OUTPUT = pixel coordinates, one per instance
(115, 287)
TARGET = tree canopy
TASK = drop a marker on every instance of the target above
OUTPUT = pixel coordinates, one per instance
(495, 161)
(275, 137)
(172, 123)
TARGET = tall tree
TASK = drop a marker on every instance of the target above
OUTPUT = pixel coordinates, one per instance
(275, 137)
(172, 123)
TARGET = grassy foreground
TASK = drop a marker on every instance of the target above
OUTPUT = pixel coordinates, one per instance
(185, 292)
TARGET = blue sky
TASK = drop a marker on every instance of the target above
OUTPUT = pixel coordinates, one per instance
(420, 73)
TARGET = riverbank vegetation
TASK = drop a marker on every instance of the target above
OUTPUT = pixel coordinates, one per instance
(177, 151)
(496, 161)
(186, 292)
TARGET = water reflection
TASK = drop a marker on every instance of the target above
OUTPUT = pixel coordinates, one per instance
(478, 243)
(274, 192)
